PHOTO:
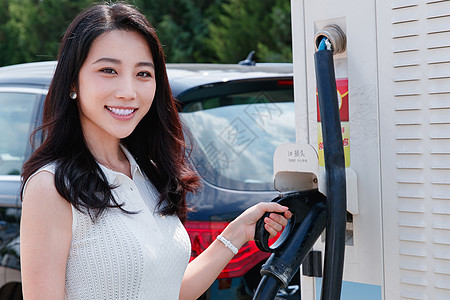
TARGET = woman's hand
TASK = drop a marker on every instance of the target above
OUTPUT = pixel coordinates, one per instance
(203, 270)
(242, 229)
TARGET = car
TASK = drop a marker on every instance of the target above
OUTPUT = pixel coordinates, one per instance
(237, 116)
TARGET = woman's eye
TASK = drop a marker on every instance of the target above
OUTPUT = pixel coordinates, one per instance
(144, 74)
(108, 71)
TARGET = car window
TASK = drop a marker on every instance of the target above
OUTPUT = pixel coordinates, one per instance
(235, 136)
(16, 119)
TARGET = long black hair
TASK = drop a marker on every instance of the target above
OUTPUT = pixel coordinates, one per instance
(157, 143)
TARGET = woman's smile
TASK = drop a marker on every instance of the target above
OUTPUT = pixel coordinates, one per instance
(121, 113)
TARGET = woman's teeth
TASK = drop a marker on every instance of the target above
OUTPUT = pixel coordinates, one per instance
(120, 111)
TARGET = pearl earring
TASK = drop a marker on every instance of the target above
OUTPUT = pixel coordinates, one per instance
(73, 95)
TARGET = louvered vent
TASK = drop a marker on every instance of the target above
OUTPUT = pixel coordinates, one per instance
(421, 78)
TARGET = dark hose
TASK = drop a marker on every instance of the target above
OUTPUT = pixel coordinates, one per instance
(268, 288)
(335, 175)
(283, 264)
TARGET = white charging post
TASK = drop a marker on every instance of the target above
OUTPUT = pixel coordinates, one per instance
(393, 82)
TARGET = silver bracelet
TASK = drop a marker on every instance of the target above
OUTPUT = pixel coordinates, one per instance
(228, 244)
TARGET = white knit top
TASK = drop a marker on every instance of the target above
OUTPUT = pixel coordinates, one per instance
(126, 256)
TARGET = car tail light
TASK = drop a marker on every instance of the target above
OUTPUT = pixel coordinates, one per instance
(203, 233)
(285, 82)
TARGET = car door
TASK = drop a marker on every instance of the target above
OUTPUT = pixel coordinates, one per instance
(20, 108)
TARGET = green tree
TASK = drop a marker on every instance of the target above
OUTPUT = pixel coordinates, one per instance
(7, 34)
(191, 30)
(246, 25)
(279, 49)
(33, 28)
(182, 26)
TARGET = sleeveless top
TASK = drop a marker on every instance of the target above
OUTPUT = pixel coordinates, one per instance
(126, 256)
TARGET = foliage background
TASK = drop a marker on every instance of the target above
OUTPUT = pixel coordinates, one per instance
(221, 31)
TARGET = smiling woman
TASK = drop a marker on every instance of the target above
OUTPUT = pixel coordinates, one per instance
(104, 194)
(116, 86)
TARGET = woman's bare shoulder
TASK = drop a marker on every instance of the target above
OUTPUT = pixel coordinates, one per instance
(41, 195)
(45, 237)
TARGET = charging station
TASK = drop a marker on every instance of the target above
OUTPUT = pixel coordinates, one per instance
(393, 88)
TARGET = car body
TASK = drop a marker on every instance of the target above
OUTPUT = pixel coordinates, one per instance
(237, 115)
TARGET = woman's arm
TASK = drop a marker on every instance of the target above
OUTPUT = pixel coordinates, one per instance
(205, 268)
(45, 237)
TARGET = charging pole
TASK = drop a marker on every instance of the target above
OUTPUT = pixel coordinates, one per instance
(393, 91)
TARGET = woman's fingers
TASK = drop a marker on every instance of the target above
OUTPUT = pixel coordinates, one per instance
(272, 232)
(246, 222)
(280, 219)
(272, 207)
(273, 224)
(276, 222)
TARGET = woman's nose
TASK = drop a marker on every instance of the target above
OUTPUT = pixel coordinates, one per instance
(125, 88)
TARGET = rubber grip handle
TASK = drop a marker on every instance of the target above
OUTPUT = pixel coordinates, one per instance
(262, 235)
(299, 204)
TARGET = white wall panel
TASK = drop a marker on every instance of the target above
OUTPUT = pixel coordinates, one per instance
(414, 74)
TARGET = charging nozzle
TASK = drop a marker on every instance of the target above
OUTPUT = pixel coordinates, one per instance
(335, 35)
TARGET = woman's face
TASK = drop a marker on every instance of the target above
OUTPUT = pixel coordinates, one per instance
(116, 85)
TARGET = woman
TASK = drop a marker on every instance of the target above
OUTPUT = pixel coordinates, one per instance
(104, 195)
